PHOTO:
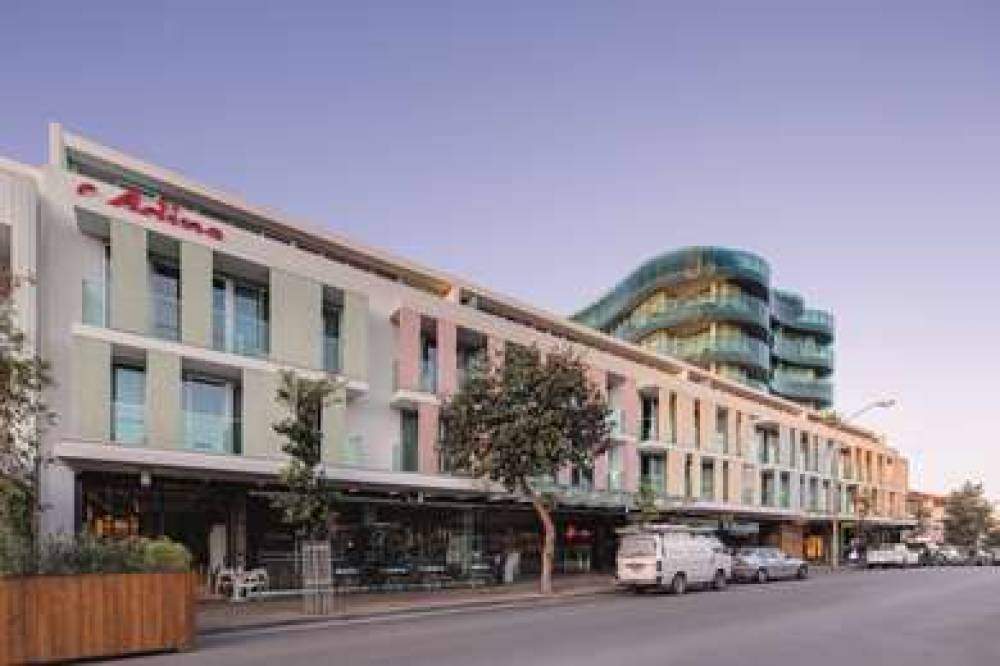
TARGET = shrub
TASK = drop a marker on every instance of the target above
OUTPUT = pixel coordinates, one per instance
(86, 553)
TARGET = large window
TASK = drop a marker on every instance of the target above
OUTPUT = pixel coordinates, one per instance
(240, 317)
(615, 468)
(128, 409)
(708, 480)
(428, 362)
(164, 299)
(650, 412)
(653, 472)
(211, 414)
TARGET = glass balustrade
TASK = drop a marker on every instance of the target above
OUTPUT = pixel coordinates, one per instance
(214, 433)
(95, 303)
(128, 423)
(165, 315)
(331, 353)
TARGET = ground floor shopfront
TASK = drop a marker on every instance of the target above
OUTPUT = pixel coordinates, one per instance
(396, 538)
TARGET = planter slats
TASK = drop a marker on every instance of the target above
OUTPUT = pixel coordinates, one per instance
(54, 618)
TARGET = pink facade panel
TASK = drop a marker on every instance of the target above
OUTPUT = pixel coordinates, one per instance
(601, 472)
(630, 463)
(631, 407)
(427, 438)
(447, 344)
(408, 350)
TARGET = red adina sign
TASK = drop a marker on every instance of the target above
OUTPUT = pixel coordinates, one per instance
(159, 209)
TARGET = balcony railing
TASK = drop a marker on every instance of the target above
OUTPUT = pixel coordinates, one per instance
(428, 377)
(249, 336)
(95, 303)
(737, 307)
(213, 433)
(128, 423)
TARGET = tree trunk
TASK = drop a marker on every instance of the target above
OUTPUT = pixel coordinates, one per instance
(548, 542)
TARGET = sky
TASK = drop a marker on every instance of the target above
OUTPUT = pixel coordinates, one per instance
(544, 149)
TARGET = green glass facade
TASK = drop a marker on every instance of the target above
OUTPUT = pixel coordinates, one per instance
(715, 307)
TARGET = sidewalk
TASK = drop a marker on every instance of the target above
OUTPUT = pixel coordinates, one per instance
(215, 617)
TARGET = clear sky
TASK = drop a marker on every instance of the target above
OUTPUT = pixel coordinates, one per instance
(545, 149)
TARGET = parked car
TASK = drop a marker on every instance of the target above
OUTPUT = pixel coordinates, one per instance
(980, 558)
(950, 555)
(671, 557)
(761, 564)
(892, 555)
(928, 554)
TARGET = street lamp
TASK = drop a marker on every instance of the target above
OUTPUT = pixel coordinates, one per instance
(881, 404)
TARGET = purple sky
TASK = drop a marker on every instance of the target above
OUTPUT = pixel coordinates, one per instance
(544, 152)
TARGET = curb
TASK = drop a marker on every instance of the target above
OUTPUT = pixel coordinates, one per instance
(402, 612)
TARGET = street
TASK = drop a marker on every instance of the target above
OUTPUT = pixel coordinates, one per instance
(915, 617)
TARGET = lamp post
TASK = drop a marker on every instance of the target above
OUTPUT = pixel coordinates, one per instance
(885, 403)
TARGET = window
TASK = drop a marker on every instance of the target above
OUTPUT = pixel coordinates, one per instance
(722, 429)
(615, 468)
(211, 414)
(725, 481)
(240, 316)
(408, 441)
(428, 362)
(672, 417)
(688, 464)
(331, 337)
(652, 470)
(164, 299)
(708, 480)
(582, 477)
(128, 409)
(650, 408)
(697, 424)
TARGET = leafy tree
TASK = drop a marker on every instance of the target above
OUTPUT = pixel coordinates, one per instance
(646, 501)
(306, 502)
(24, 415)
(968, 515)
(520, 421)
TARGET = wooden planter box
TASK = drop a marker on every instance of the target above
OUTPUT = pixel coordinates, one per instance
(57, 618)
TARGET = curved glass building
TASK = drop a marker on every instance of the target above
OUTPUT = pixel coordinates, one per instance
(715, 307)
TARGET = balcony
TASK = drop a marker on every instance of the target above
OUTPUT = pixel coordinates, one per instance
(803, 353)
(211, 433)
(790, 311)
(736, 349)
(802, 388)
(331, 354)
(741, 308)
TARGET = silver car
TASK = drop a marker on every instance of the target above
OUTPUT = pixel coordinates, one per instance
(761, 564)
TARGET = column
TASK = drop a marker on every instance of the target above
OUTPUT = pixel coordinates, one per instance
(129, 278)
(601, 471)
(447, 345)
(296, 320)
(630, 467)
(685, 421)
(695, 475)
(719, 480)
(334, 424)
(354, 336)
(196, 294)
(675, 473)
(631, 407)
(427, 438)
(163, 400)
(408, 350)
(260, 412)
(92, 388)
(735, 482)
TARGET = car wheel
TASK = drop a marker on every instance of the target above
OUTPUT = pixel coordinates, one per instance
(719, 582)
(679, 584)
(761, 575)
(802, 573)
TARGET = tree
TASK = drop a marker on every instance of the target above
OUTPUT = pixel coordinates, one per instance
(968, 515)
(646, 502)
(24, 415)
(306, 502)
(521, 421)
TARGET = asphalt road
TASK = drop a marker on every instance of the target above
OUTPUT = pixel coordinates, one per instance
(939, 617)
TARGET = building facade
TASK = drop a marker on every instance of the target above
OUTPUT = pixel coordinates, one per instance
(715, 307)
(168, 309)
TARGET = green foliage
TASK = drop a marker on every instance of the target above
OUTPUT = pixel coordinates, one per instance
(968, 516)
(86, 553)
(23, 417)
(523, 419)
(306, 502)
(648, 512)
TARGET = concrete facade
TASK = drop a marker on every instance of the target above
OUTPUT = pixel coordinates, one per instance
(389, 311)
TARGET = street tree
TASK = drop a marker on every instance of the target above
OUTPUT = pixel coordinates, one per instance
(306, 500)
(968, 515)
(24, 415)
(521, 419)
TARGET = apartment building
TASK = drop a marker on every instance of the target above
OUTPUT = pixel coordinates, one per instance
(927, 509)
(715, 307)
(168, 309)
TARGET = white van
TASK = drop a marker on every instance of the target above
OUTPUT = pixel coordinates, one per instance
(671, 557)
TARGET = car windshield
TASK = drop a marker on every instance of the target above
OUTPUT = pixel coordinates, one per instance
(637, 547)
(757, 552)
